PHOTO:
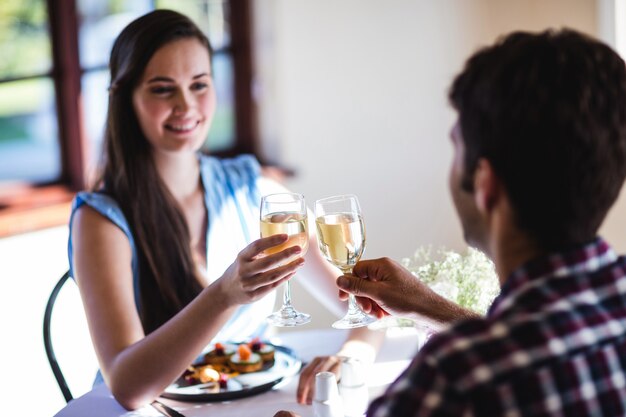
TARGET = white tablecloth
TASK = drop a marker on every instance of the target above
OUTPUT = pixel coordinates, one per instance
(393, 358)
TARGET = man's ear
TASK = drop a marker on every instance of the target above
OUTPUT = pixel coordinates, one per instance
(487, 186)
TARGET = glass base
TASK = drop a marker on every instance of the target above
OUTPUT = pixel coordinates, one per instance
(288, 317)
(350, 321)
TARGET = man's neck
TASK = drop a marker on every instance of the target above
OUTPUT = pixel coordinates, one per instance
(510, 251)
(508, 246)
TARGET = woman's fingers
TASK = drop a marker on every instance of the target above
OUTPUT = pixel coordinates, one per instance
(331, 364)
(273, 276)
(261, 291)
(255, 248)
(306, 385)
(259, 246)
(254, 262)
(266, 262)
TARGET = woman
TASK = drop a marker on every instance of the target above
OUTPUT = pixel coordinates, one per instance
(163, 248)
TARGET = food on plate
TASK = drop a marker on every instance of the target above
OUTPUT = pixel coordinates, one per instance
(223, 381)
(226, 360)
(204, 374)
(245, 361)
(263, 349)
(208, 374)
(220, 354)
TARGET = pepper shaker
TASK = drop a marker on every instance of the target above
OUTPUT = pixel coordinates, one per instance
(352, 388)
(327, 402)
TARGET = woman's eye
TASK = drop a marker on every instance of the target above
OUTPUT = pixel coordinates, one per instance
(161, 90)
(199, 86)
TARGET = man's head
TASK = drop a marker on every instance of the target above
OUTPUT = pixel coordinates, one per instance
(548, 113)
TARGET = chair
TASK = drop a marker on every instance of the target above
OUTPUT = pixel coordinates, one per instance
(66, 327)
(47, 340)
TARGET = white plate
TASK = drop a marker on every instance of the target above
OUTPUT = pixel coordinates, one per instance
(285, 365)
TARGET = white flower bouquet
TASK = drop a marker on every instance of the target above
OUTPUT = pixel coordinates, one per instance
(468, 279)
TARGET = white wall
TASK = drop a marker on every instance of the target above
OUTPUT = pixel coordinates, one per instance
(352, 93)
(612, 29)
(612, 23)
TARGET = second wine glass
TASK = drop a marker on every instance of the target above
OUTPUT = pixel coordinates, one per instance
(286, 213)
(341, 238)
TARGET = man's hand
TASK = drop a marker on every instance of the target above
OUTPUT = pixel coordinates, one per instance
(383, 286)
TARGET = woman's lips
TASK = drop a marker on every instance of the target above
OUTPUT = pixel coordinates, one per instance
(182, 127)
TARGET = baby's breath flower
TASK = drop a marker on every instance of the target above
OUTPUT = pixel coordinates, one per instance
(468, 279)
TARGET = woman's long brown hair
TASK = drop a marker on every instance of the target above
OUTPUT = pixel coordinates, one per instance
(167, 273)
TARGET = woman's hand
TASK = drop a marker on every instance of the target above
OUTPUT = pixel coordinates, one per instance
(306, 386)
(362, 344)
(254, 274)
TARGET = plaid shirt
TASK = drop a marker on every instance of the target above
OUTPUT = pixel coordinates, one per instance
(552, 344)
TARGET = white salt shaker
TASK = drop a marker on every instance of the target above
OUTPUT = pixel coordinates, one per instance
(352, 388)
(327, 402)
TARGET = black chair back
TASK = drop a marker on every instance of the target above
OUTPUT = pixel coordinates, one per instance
(47, 340)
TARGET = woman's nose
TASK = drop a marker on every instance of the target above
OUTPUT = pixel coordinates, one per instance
(182, 103)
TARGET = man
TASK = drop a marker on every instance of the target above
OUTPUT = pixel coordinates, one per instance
(539, 158)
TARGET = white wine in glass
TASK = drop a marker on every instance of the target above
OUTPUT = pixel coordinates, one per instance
(341, 239)
(286, 213)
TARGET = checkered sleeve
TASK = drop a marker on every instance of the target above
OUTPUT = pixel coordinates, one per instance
(421, 390)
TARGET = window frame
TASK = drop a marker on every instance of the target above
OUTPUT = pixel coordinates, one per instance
(29, 207)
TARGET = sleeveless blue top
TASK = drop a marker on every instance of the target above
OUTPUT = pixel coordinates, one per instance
(232, 200)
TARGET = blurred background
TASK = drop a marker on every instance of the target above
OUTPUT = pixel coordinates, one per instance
(341, 96)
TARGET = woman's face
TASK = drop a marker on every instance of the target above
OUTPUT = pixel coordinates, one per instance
(175, 100)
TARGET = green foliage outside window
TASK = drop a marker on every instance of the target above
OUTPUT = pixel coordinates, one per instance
(24, 39)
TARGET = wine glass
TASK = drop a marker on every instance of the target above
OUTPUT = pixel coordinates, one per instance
(286, 213)
(341, 238)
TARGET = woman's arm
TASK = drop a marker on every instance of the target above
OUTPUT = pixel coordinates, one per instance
(136, 367)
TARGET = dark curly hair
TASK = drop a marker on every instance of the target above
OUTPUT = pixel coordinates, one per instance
(548, 111)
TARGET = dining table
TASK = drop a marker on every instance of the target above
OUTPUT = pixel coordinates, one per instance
(394, 356)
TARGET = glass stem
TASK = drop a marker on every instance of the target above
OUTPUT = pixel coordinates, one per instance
(287, 295)
(353, 307)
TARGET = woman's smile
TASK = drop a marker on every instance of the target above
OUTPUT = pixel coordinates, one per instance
(182, 127)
